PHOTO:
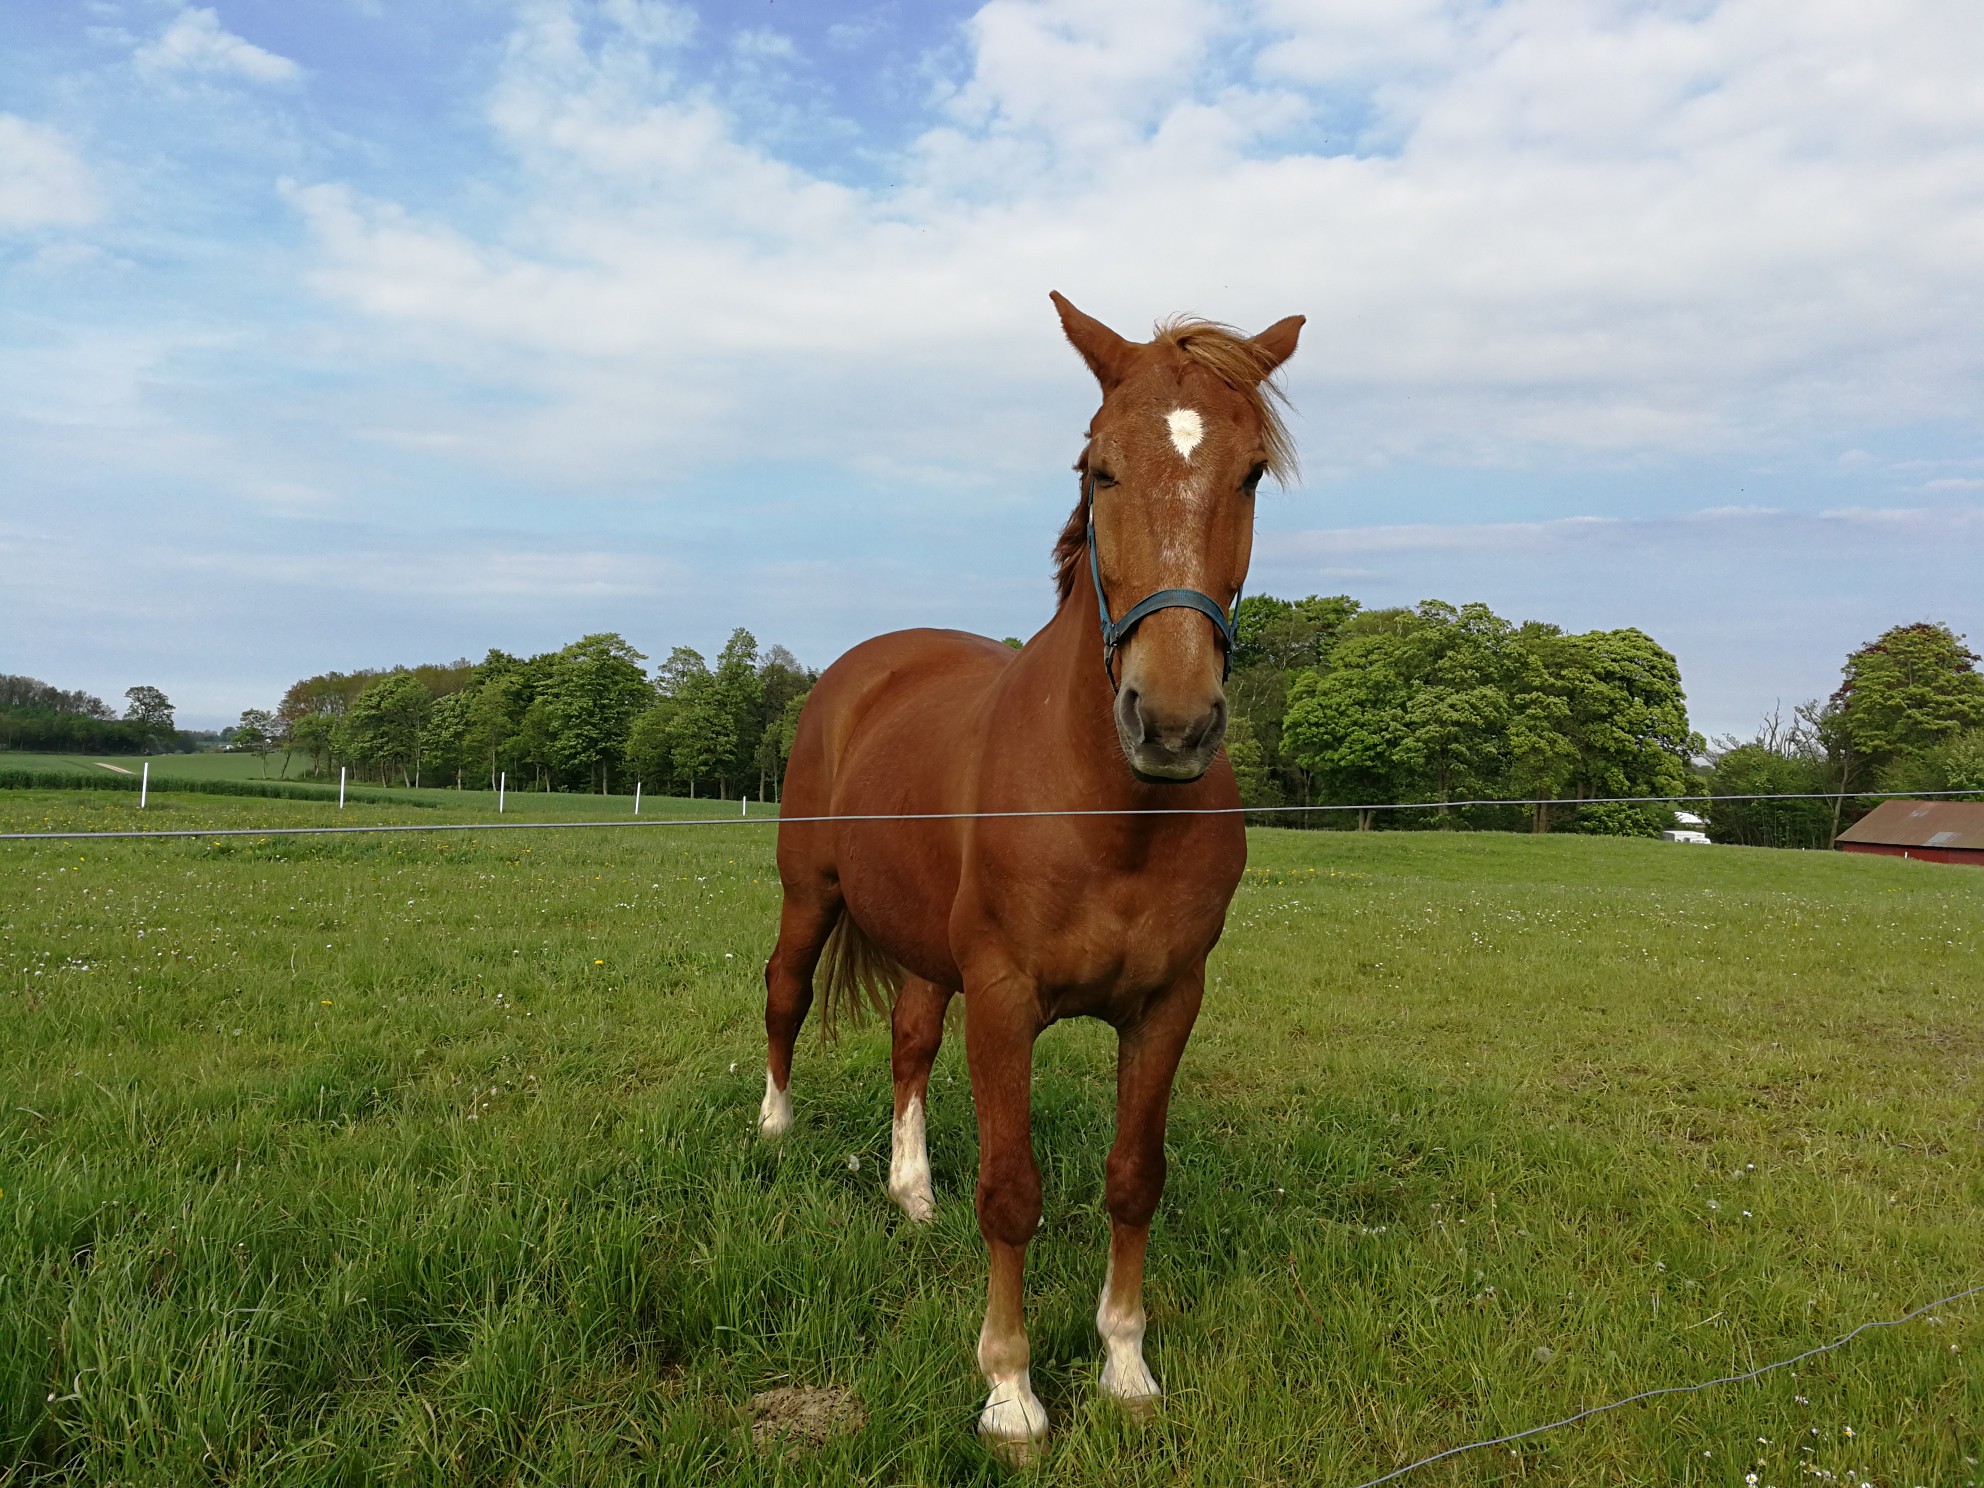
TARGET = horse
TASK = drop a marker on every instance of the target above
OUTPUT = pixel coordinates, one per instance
(1052, 832)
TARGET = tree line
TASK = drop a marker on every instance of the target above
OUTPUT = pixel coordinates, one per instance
(35, 715)
(1335, 704)
(587, 717)
(1908, 716)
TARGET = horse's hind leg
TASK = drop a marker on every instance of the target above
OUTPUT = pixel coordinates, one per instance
(803, 926)
(917, 1029)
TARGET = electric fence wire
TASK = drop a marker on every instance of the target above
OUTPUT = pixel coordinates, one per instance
(931, 816)
(1727, 1379)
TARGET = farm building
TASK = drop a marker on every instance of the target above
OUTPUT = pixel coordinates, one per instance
(1940, 831)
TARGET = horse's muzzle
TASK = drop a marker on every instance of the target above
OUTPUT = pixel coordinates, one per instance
(1166, 744)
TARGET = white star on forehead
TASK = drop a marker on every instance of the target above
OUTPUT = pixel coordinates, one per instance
(1187, 429)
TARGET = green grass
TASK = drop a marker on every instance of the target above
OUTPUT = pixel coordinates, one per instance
(91, 807)
(209, 766)
(428, 1159)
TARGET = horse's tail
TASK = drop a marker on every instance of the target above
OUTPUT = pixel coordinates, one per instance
(858, 978)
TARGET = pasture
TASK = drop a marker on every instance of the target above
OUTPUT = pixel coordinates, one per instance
(429, 1159)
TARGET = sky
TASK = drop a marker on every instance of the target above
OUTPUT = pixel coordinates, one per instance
(354, 334)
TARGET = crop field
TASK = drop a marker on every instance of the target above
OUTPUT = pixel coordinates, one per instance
(212, 765)
(429, 1159)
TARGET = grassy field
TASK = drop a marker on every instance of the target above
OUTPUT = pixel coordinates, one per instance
(208, 766)
(475, 804)
(428, 1159)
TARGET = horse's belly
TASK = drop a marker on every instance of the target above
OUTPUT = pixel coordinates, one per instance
(898, 883)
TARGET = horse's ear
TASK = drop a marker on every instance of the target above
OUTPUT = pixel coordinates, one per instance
(1107, 354)
(1278, 340)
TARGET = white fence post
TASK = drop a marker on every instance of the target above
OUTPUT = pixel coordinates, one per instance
(341, 774)
(637, 798)
(144, 785)
(502, 785)
(743, 805)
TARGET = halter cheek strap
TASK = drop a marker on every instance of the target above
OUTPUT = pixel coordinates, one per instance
(1116, 632)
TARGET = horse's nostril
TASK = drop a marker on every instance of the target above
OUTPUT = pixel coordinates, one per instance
(1132, 708)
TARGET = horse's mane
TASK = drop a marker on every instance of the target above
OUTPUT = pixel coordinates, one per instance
(1235, 361)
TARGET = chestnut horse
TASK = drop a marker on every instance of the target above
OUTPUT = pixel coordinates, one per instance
(1087, 908)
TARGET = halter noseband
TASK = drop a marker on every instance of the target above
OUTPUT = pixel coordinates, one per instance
(1115, 632)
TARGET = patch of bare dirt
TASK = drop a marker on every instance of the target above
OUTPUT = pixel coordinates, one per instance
(803, 1415)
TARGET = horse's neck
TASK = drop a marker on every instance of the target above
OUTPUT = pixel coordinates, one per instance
(1064, 666)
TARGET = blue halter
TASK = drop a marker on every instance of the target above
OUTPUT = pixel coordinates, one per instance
(1116, 632)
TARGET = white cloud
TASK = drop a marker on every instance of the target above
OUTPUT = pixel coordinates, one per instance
(1614, 229)
(43, 181)
(196, 41)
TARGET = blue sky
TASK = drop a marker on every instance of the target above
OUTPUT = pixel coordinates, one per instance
(348, 334)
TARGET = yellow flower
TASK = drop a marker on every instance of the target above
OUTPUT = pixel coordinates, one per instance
(599, 963)
(325, 1000)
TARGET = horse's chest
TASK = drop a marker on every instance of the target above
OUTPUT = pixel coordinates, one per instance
(1094, 942)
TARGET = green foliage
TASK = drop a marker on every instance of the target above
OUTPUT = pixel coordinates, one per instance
(1285, 635)
(1446, 702)
(52, 731)
(586, 717)
(592, 697)
(151, 710)
(1954, 765)
(381, 731)
(1764, 767)
(1912, 689)
(31, 692)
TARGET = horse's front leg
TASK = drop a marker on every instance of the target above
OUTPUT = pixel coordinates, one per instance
(1147, 1057)
(1001, 1021)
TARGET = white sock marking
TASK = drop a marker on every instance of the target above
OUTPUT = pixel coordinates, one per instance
(775, 1113)
(909, 1164)
(1125, 1376)
(1187, 429)
(1013, 1413)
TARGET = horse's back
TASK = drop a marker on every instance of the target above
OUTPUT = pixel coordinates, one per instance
(898, 693)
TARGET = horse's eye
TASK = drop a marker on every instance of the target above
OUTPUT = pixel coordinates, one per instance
(1104, 478)
(1253, 477)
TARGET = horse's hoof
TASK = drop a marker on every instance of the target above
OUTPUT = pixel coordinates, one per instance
(1013, 1424)
(1018, 1455)
(918, 1203)
(1137, 1407)
(1132, 1388)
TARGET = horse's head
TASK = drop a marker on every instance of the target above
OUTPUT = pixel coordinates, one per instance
(1186, 430)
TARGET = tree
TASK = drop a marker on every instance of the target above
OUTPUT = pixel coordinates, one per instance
(1348, 725)
(444, 737)
(152, 710)
(1288, 634)
(499, 693)
(382, 728)
(256, 733)
(1768, 765)
(740, 693)
(775, 743)
(594, 695)
(1902, 695)
(32, 692)
(650, 753)
(1614, 699)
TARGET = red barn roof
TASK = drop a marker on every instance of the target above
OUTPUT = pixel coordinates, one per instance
(1957, 825)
